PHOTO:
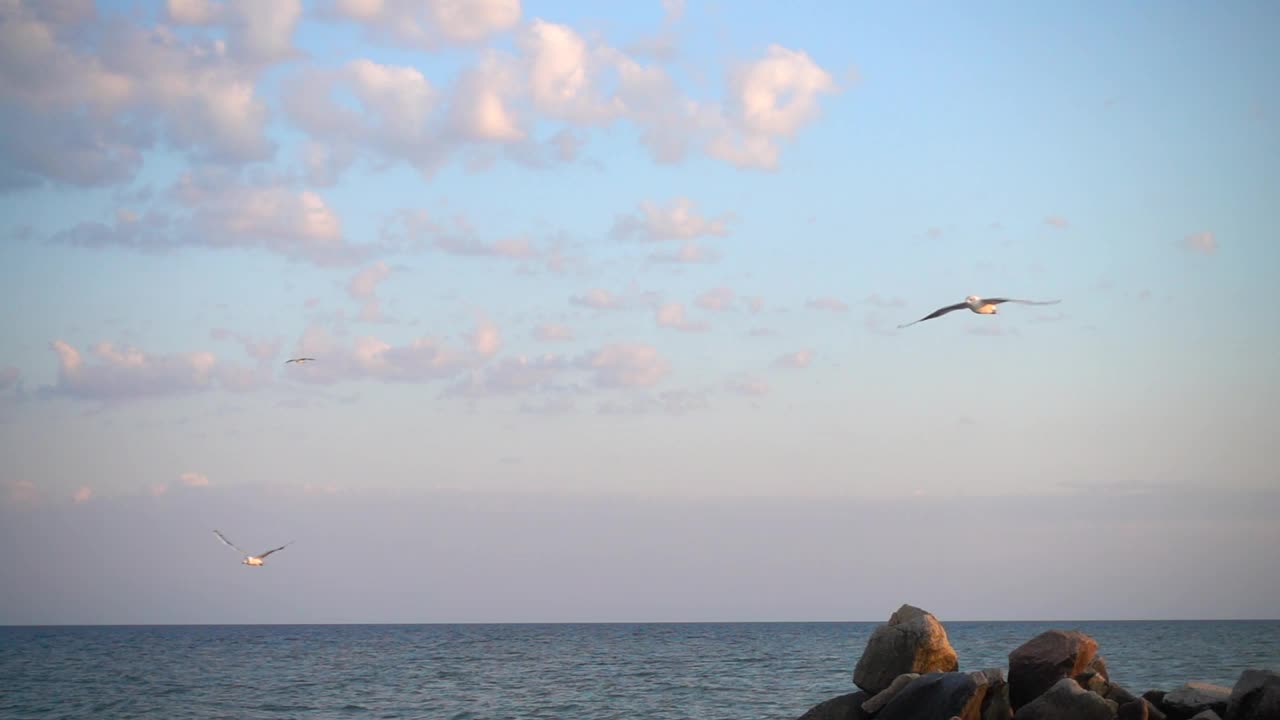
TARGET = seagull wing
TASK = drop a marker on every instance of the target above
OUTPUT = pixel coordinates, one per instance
(997, 301)
(224, 539)
(936, 313)
(263, 555)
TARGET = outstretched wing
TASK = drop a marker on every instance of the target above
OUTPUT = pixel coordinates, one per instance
(224, 539)
(997, 301)
(936, 313)
(263, 555)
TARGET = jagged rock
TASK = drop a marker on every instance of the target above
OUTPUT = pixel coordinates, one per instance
(1134, 710)
(1155, 697)
(1206, 715)
(883, 697)
(1193, 697)
(1042, 661)
(937, 695)
(1255, 696)
(1119, 694)
(841, 707)
(995, 702)
(912, 641)
(1066, 700)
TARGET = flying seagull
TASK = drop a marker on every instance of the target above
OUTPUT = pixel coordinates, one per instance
(298, 360)
(253, 560)
(982, 306)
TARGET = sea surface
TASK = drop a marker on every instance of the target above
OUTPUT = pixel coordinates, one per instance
(702, 671)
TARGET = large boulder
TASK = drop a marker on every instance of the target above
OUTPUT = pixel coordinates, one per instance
(995, 702)
(1255, 696)
(841, 707)
(1039, 663)
(1066, 700)
(938, 695)
(913, 641)
(1185, 702)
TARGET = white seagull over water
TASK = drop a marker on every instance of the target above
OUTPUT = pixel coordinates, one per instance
(982, 306)
(299, 360)
(254, 560)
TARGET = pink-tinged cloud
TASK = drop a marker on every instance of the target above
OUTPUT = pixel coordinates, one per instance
(795, 360)
(626, 365)
(82, 495)
(111, 373)
(1057, 221)
(553, 332)
(827, 303)
(679, 220)
(512, 375)
(364, 287)
(755, 305)
(158, 488)
(258, 32)
(716, 299)
(194, 479)
(9, 376)
(422, 360)
(671, 315)
(122, 88)
(430, 24)
(486, 340)
(749, 387)
(598, 299)
(22, 493)
(689, 253)
(311, 303)
(884, 302)
(1202, 242)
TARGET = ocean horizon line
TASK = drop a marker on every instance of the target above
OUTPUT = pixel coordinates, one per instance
(530, 623)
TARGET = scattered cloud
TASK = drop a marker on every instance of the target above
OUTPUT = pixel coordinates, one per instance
(158, 488)
(1057, 221)
(428, 24)
(9, 377)
(601, 299)
(1202, 242)
(748, 386)
(512, 375)
(671, 315)
(626, 365)
(122, 373)
(22, 493)
(796, 360)
(367, 357)
(689, 253)
(363, 287)
(486, 340)
(553, 332)
(884, 302)
(717, 299)
(827, 303)
(670, 402)
(680, 220)
(194, 479)
(82, 494)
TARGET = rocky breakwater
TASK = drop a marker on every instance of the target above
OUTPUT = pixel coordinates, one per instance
(909, 671)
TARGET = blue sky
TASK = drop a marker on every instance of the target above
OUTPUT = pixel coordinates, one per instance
(654, 253)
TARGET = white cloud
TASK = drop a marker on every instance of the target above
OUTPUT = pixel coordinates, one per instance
(430, 24)
(679, 220)
(1202, 242)
(194, 479)
(122, 373)
(671, 315)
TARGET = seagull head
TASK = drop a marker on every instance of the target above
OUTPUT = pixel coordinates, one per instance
(972, 299)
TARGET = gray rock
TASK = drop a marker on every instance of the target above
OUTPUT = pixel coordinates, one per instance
(913, 641)
(883, 697)
(1256, 696)
(1184, 702)
(1066, 700)
(1134, 710)
(1206, 715)
(937, 695)
(1042, 661)
(841, 707)
(1119, 694)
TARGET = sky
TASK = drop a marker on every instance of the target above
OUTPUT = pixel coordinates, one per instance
(604, 305)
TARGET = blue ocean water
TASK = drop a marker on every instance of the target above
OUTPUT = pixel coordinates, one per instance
(572, 672)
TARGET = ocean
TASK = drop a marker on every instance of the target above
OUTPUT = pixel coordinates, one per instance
(703, 671)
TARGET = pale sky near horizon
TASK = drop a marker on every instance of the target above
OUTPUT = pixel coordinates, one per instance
(604, 300)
